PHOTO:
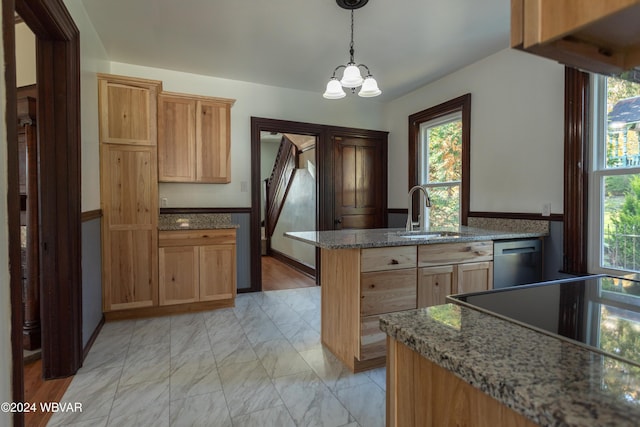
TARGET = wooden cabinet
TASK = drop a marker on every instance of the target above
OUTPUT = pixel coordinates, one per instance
(453, 268)
(594, 35)
(197, 265)
(127, 110)
(128, 192)
(194, 138)
(421, 393)
(129, 226)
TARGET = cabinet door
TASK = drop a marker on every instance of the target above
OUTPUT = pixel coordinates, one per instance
(176, 139)
(434, 284)
(373, 342)
(474, 277)
(179, 275)
(129, 203)
(387, 291)
(217, 272)
(127, 113)
(130, 269)
(213, 143)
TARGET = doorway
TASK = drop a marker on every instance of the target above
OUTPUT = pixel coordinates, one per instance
(58, 115)
(372, 173)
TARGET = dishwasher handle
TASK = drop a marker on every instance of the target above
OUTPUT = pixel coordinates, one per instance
(517, 247)
(519, 250)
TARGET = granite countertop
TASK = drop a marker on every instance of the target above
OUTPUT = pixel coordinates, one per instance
(384, 237)
(548, 380)
(168, 222)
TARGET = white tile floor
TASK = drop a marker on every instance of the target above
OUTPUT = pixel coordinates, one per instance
(258, 364)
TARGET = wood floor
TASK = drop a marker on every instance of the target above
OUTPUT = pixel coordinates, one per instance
(36, 391)
(276, 276)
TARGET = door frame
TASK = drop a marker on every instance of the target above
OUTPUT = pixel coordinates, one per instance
(58, 83)
(325, 197)
(258, 125)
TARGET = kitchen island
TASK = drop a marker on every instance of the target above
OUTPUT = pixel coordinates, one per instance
(367, 273)
(499, 365)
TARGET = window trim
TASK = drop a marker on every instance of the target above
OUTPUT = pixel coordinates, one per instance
(460, 104)
(598, 171)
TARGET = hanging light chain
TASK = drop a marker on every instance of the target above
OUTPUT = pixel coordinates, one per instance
(351, 45)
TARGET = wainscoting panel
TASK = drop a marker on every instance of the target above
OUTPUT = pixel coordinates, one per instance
(243, 249)
(91, 278)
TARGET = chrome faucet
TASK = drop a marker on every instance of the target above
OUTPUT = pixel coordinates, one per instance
(425, 202)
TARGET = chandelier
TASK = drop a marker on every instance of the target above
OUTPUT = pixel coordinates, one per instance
(351, 77)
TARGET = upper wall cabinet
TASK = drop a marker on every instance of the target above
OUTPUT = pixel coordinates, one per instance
(127, 113)
(593, 35)
(194, 141)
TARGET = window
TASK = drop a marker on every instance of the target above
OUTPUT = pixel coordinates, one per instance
(440, 167)
(614, 205)
(439, 159)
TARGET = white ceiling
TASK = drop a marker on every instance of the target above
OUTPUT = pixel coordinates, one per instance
(297, 43)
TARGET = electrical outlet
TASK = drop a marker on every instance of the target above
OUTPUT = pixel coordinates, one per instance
(546, 209)
(164, 202)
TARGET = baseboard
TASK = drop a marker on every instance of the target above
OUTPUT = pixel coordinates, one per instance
(92, 338)
(305, 269)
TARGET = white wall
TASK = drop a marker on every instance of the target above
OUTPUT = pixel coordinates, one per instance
(517, 122)
(93, 59)
(251, 100)
(5, 298)
(25, 55)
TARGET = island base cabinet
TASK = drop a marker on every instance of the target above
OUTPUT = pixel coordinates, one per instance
(423, 394)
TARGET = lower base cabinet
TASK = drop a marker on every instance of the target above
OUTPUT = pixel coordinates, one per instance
(421, 393)
(197, 265)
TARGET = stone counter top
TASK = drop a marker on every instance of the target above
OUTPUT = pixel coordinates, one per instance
(548, 380)
(168, 222)
(385, 237)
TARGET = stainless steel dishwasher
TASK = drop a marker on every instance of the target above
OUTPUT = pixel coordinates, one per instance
(516, 262)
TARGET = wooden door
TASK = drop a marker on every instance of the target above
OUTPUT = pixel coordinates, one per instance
(434, 284)
(179, 275)
(474, 277)
(176, 139)
(213, 143)
(129, 202)
(360, 183)
(217, 272)
(128, 112)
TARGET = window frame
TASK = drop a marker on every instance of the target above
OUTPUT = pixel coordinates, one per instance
(461, 104)
(598, 172)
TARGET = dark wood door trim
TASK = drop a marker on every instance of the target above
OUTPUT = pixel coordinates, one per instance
(13, 205)
(576, 158)
(324, 178)
(58, 76)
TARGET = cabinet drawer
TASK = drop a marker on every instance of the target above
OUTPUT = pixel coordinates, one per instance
(454, 253)
(373, 342)
(393, 258)
(196, 237)
(387, 291)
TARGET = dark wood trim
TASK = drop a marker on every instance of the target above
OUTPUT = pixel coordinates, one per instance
(203, 210)
(576, 159)
(28, 91)
(462, 104)
(258, 125)
(91, 215)
(516, 215)
(293, 263)
(403, 211)
(58, 82)
(92, 338)
(13, 205)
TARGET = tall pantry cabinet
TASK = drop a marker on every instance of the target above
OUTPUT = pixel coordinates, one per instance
(129, 191)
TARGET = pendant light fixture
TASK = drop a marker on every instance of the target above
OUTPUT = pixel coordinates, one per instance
(351, 77)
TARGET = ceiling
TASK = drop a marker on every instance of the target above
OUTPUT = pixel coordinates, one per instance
(297, 43)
